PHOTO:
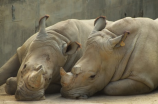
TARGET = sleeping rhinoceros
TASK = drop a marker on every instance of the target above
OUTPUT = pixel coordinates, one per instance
(38, 61)
(119, 60)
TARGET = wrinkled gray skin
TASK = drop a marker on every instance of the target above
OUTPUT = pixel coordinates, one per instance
(113, 69)
(38, 61)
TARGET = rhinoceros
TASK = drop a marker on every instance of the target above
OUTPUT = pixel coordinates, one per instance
(121, 59)
(37, 62)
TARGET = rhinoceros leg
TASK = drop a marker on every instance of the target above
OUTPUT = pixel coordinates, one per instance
(126, 87)
(9, 69)
(11, 85)
(53, 88)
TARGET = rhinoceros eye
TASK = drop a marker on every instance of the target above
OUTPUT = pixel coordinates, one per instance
(23, 70)
(92, 76)
(24, 66)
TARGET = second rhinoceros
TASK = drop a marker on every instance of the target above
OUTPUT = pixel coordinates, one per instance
(119, 60)
(38, 61)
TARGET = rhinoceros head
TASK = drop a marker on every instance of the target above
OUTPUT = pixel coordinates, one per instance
(93, 71)
(46, 54)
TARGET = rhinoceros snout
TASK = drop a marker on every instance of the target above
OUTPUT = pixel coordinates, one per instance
(73, 94)
(26, 96)
(20, 96)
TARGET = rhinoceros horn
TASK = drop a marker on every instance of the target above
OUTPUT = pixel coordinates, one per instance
(114, 41)
(66, 78)
(36, 79)
(42, 31)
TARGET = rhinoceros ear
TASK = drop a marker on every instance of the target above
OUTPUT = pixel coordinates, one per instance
(42, 31)
(99, 23)
(71, 48)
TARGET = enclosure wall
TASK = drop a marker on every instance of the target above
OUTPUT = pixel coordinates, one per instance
(19, 18)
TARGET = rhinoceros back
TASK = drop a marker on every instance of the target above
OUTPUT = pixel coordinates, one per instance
(141, 53)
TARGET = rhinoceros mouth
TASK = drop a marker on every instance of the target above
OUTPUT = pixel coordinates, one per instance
(81, 97)
(70, 94)
(25, 97)
(23, 93)
(76, 96)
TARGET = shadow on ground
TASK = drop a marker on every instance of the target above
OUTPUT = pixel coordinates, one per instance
(151, 98)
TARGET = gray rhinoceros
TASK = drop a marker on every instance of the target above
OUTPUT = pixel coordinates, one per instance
(37, 62)
(119, 60)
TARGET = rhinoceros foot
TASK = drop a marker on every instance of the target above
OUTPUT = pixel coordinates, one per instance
(11, 85)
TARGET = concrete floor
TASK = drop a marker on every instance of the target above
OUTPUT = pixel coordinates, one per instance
(151, 98)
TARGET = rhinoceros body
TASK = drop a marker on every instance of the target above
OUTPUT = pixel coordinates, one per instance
(38, 60)
(116, 64)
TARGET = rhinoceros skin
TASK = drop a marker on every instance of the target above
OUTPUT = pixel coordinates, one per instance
(37, 62)
(113, 65)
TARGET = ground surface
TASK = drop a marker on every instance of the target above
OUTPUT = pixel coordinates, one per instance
(151, 98)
